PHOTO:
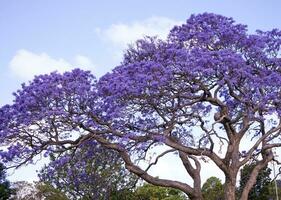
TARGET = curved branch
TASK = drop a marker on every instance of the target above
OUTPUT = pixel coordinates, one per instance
(253, 176)
(142, 173)
(158, 157)
(197, 152)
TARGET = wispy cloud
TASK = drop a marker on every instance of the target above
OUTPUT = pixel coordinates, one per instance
(122, 34)
(25, 64)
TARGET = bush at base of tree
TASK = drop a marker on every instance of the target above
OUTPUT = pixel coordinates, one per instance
(212, 189)
(149, 192)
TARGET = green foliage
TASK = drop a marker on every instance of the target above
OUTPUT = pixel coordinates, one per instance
(48, 192)
(149, 192)
(5, 190)
(212, 189)
(272, 190)
(36, 191)
(125, 194)
(261, 189)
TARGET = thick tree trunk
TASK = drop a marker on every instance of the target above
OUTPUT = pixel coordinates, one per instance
(197, 188)
(230, 189)
(198, 197)
(232, 160)
(198, 193)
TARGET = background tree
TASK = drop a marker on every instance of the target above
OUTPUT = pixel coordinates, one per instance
(261, 189)
(36, 191)
(208, 86)
(272, 189)
(212, 189)
(82, 174)
(24, 190)
(5, 188)
(149, 192)
(48, 192)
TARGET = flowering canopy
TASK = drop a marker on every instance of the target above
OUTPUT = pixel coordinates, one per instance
(209, 84)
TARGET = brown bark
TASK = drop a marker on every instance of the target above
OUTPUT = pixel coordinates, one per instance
(232, 161)
(229, 189)
(196, 198)
(194, 172)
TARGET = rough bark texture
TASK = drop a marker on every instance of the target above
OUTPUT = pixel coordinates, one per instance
(229, 190)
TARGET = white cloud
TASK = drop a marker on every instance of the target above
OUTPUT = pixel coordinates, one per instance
(84, 62)
(122, 34)
(25, 64)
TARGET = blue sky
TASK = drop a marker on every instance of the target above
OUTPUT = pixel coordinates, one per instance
(65, 29)
(42, 36)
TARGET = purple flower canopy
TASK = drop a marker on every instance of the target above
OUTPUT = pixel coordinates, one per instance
(208, 71)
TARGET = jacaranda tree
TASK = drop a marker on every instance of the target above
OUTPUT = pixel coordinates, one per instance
(200, 92)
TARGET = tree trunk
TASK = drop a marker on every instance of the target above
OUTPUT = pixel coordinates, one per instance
(195, 195)
(196, 198)
(199, 197)
(230, 189)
